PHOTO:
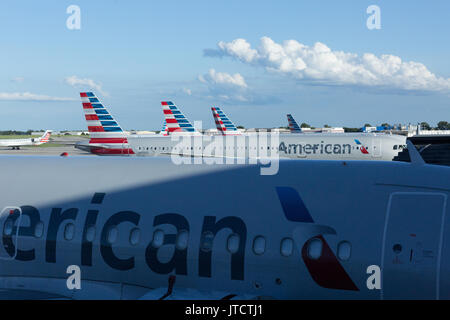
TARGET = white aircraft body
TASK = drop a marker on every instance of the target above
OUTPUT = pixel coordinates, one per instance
(17, 143)
(180, 137)
(145, 228)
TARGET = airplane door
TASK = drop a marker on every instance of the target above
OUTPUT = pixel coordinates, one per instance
(376, 147)
(10, 219)
(412, 245)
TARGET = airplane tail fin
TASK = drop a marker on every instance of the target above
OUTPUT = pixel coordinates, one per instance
(97, 116)
(223, 123)
(104, 131)
(45, 137)
(175, 119)
(293, 125)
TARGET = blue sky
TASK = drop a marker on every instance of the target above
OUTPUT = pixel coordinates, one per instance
(141, 52)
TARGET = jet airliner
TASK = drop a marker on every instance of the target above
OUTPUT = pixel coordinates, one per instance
(108, 138)
(145, 228)
(15, 144)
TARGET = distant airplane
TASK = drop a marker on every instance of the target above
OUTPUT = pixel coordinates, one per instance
(15, 144)
(145, 228)
(295, 128)
(108, 138)
(293, 125)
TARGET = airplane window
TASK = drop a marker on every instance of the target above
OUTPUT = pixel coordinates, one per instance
(158, 238)
(182, 239)
(90, 233)
(8, 227)
(395, 147)
(134, 236)
(259, 245)
(39, 229)
(287, 247)
(344, 250)
(112, 235)
(233, 243)
(69, 231)
(315, 249)
(207, 241)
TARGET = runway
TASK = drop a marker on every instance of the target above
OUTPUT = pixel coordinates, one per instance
(56, 146)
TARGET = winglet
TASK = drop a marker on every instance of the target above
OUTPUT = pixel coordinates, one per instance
(414, 154)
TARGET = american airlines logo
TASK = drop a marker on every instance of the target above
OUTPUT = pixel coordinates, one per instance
(320, 148)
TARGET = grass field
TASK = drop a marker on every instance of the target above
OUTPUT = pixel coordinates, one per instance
(17, 136)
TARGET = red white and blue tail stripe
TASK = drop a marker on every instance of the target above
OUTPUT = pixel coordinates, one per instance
(164, 131)
(45, 137)
(223, 123)
(293, 125)
(106, 136)
(175, 119)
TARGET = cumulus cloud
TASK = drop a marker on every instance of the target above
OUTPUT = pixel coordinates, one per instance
(223, 79)
(74, 81)
(231, 89)
(27, 96)
(318, 64)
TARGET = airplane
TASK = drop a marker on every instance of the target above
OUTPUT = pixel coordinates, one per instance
(145, 228)
(351, 146)
(15, 144)
(295, 128)
(183, 139)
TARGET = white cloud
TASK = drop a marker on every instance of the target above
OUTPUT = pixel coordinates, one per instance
(318, 64)
(27, 96)
(74, 81)
(230, 89)
(223, 79)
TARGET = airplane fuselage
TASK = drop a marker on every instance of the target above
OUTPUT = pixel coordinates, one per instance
(333, 146)
(129, 224)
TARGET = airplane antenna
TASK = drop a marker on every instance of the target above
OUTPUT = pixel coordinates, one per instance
(414, 154)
